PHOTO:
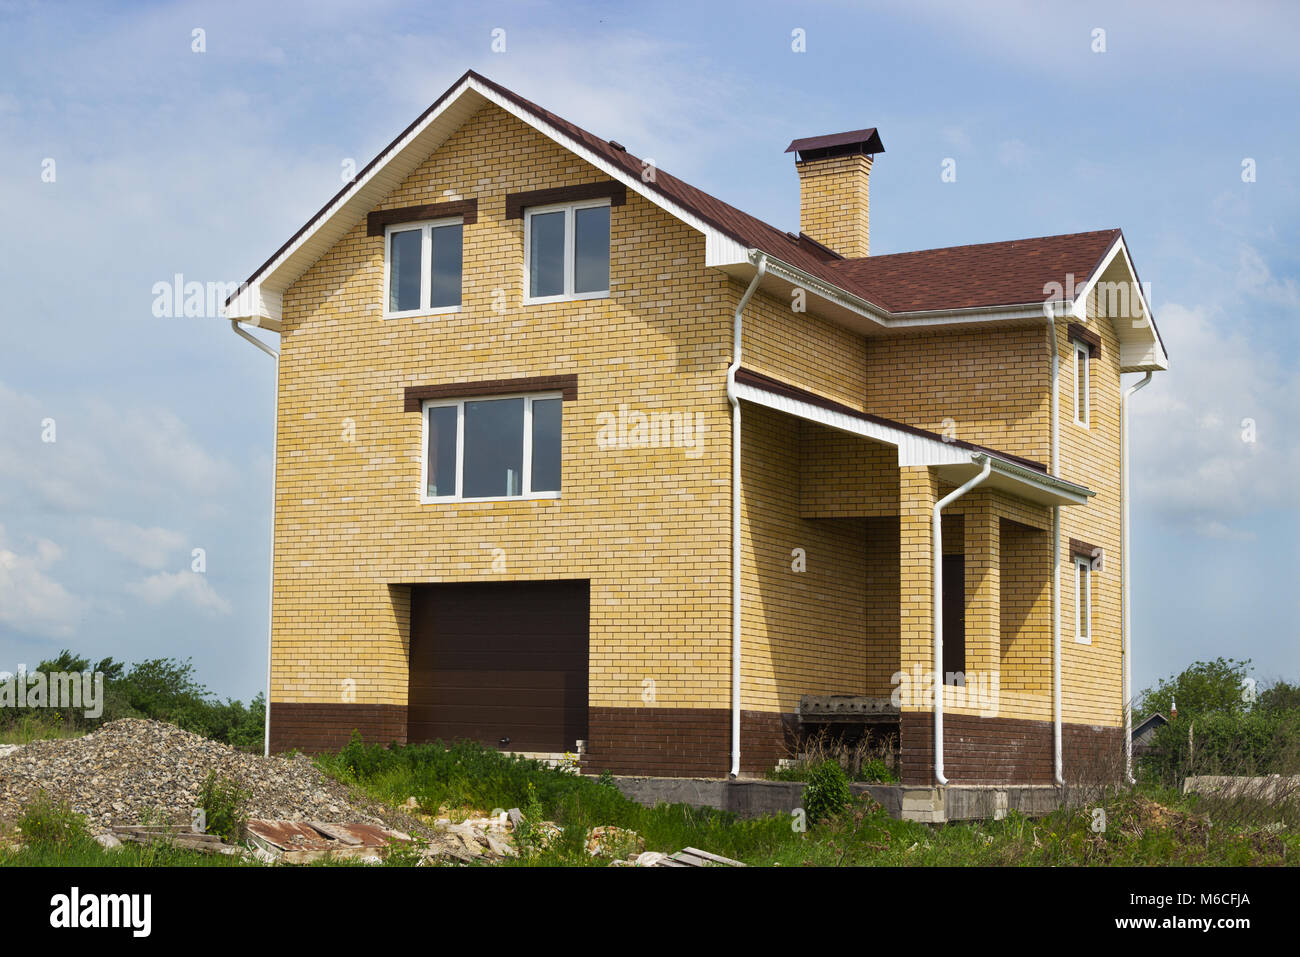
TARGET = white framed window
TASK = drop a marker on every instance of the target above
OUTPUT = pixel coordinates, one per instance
(1081, 384)
(422, 268)
(566, 251)
(1082, 600)
(491, 448)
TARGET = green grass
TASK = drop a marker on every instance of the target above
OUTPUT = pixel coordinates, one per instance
(1138, 830)
(38, 727)
(1144, 827)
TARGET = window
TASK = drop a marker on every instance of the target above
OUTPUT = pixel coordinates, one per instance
(1081, 355)
(502, 447)
(566, 252)
(1082, 600)
(422, 265)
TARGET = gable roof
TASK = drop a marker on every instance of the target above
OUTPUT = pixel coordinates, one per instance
(954, 278)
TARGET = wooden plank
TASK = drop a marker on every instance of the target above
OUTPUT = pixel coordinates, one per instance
(336, 833)
(707, 860)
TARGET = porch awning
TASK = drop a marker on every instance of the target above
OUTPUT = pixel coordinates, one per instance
(955, 461)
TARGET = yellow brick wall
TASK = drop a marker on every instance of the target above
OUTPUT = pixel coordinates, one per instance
(804, 350)
(649, 527)
(845, 476)
(989, 387)
(1092, 673)
(804, 631)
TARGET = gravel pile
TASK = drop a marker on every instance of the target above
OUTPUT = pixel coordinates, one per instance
(132, 767)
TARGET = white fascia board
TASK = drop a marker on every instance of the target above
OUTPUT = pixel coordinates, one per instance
(1141, 353)
(822, 289)
(1037, 486)
(255, 306)
(913, 449)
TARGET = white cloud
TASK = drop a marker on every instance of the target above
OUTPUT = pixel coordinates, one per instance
(30, 600)
(149, 548)
(100, 453)
(1194, 458)
(190, 587)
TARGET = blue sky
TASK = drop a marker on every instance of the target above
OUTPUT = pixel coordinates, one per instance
(172, 161)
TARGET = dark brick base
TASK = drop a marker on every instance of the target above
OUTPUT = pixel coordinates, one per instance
(683, 742)
(1007, 750)
(313, 728)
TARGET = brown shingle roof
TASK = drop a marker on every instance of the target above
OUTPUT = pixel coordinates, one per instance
(987, 274)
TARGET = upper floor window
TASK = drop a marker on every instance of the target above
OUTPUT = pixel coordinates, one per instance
(566, 251)
(422, 267)
(502, 447)
(1082, 600)
(1081, 384)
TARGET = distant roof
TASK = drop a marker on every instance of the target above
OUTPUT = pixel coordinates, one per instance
(1149, 723)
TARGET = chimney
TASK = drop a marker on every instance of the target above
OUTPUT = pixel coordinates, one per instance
(833, 174)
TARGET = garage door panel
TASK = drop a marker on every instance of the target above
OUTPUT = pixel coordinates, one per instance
(500, 660)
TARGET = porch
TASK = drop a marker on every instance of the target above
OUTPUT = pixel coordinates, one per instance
(839, 577)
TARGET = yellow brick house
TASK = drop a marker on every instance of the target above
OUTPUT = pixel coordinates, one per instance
(573, 455)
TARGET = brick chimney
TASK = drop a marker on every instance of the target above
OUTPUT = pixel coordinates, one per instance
(833, 174)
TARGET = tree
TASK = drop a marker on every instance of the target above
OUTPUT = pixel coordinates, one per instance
(1203, 688)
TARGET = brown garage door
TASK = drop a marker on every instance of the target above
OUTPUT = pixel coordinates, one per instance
(499, 660)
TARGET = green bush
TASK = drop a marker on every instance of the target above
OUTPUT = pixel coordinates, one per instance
(1254, 743)
(222, 801)
(827, 793)
(49, 824)
(163, 689)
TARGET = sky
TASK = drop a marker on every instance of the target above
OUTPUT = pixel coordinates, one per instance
(135, 449)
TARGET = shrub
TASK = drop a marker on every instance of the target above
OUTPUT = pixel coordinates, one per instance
(222, 801)
(827, 792)
(50, 824)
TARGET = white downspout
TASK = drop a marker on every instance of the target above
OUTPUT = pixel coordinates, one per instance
(735, 512)
(1125, 602)
(1057, 772)
(937, 535)
(275, 432)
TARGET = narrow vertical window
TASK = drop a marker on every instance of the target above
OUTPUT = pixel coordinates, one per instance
(1082, 600)
(404, 270)
(441, 441)
(1081, 384)
(591, 249)
(546, 254)
(546, 444)
(444, 289)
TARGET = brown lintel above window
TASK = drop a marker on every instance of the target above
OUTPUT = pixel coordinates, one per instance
(1081, 548)
(380, 219)
(1078, 332)
(566, 385)
(516, 203)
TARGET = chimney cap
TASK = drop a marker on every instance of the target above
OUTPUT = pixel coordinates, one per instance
(837, 144)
